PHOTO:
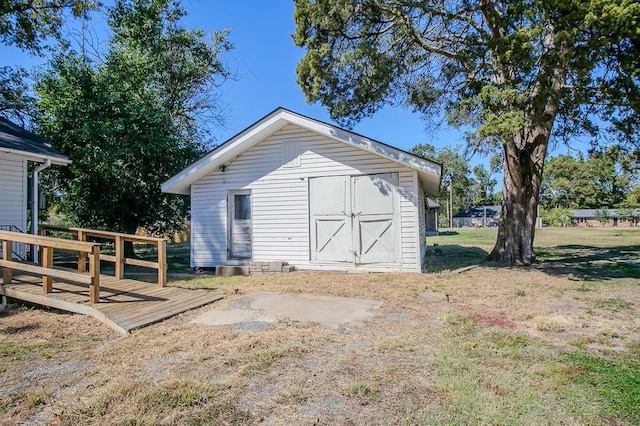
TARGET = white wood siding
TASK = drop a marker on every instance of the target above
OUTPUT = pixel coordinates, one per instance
(280, 204)
(422, 222)
(13, 195)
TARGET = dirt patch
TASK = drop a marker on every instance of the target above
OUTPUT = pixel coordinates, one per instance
(257, 311)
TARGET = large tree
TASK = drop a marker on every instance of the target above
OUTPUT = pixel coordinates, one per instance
(29, 25)
(131, 121)
(511, 73)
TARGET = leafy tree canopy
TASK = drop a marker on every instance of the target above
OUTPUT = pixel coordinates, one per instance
(29, 25)
(507, 72)
(130, 122)
(604, 178)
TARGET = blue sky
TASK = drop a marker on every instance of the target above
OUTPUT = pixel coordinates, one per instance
(265, 57)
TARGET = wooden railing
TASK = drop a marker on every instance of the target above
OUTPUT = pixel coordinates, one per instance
(14, 228)
(119, 259)
(46, 269)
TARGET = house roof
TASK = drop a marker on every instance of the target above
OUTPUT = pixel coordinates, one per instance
(592, 213)
(479, 211)
(429, 171)
(17, 141)
(432, 204)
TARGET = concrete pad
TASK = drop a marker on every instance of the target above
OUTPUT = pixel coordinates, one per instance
(263, 308)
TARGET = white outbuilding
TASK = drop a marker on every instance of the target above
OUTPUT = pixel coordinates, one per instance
(293, 189)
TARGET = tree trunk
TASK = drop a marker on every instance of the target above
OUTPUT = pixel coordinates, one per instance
(523, 161)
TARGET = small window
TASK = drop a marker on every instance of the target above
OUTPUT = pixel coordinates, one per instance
(242, 207)
(291, 154)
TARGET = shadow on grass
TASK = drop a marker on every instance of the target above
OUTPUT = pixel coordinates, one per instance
(451, 257)
(591, 263)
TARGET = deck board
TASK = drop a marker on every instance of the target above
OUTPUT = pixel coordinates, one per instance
(124, 305)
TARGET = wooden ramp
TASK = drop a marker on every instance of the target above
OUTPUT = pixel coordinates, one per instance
(124, 304)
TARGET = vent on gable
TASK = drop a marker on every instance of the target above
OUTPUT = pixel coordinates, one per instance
(291, 154)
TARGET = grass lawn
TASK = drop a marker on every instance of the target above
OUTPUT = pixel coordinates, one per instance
(554, 343)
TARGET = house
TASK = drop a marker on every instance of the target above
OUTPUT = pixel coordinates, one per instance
(293, 189)
(18, 148)
(605, 217)
(478, 216)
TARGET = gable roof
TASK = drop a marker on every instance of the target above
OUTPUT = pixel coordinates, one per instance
(593, 213)
(480, 211)
(429, 171)
(20, 142)
(432, 204)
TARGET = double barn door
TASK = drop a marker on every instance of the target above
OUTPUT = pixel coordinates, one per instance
(354, 219)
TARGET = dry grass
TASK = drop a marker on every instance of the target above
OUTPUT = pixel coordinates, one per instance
(492, 354)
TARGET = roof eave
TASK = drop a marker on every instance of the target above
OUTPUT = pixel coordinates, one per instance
(181, 183)
(39, 158)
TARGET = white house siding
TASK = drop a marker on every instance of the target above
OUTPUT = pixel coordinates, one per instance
(13, 197)
(280, 204)
(422, 222)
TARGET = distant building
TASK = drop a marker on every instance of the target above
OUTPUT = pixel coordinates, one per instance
(612, 217)
(477, 216)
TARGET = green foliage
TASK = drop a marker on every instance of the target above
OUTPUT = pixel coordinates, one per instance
(29, 25)
(633, 198)
(493, 68)
(604, 178)
(467, 189)
(602, 215)
(557, 217)
(485, 184)
(455, 171)
(131, 122)
(15, 101)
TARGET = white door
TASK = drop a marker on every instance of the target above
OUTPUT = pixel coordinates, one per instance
(330, 224)
(353, 218)
(374, 212)
(239, 224)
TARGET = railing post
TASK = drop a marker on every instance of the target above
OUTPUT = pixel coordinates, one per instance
(47, 262)
(162, 263)
(94, 272)
(82, 256)
(7, 254)
(42, 230)
(119, 257)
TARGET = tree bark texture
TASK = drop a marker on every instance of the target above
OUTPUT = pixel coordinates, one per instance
(523, 161)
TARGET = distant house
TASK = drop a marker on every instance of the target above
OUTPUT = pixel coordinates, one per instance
(604, 217)
(291, 188)
(18, 148)
(477, 216)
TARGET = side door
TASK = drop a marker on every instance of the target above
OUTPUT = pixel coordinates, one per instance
(239, 239)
